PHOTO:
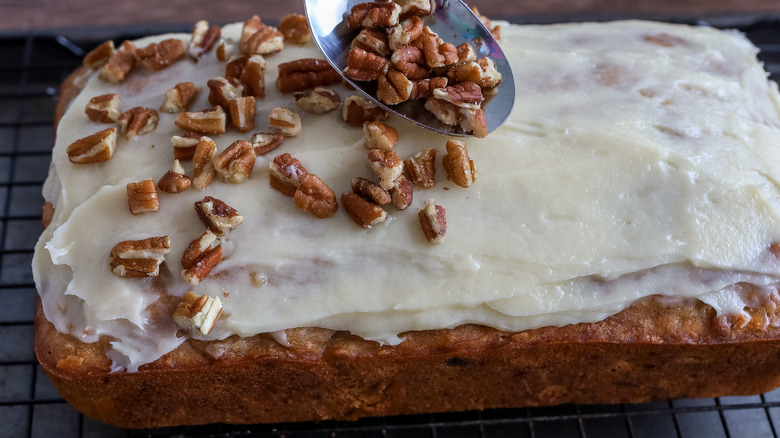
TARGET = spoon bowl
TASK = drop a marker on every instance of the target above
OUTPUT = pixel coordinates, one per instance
(452, 20)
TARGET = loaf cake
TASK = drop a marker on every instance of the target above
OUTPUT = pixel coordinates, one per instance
(617, 240)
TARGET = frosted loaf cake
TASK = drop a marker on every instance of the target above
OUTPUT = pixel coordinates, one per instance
(640, 161)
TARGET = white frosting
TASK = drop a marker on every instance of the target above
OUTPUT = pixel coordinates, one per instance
(626, 169)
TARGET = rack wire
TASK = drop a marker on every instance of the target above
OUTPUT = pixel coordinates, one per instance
(32, 65)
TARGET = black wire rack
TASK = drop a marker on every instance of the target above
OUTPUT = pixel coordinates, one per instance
(32, 65)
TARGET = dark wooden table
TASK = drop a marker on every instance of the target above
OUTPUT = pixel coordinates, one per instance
(54, 14)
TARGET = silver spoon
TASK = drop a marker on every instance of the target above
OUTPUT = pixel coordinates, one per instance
(452, 20)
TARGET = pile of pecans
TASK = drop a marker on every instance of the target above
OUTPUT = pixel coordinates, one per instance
(409, 61)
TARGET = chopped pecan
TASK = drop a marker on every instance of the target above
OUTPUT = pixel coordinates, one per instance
(446, 112)
(258, 38)
(93, 148)
(474, 121)
(482, 72)
(357, 110)
(204, 122)
(320, 100)
(295, 29)
(433, 220)
(158, 56)
(387, 167)
(437, 53)
(142, 197)
(119, 64)
(372, 41)
(203, 39)
(139, 258)
(423, 88)
(200, 257)
(249, 71)
(466, 53)
(418, 8)
(285, 122)
(410, 61)
(198, 314)
(373, 14)
(235, 163)
(369, 190)
(286, 173)
(365, 66)
(137, 121)
(103, 108)
(305, 73)
(184, 145)
(364, 213)
(242, 113)
(463, 95)
(221, 91)
(495, 30)
(460, 168)
(402, 193)
(314, 196)
(379, 135)
(225, 49)
(394, 88)
(404, 33)
(202, 163)
(98, 57)
(174, 180)
(218, 217)
(265, 142)
(178, 97)
(421, 168)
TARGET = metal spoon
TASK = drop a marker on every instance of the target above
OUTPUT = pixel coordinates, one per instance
(452, 20)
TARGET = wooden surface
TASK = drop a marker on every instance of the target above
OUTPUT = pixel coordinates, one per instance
(52, 14)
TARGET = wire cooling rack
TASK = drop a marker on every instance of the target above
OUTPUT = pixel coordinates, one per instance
(32, 65)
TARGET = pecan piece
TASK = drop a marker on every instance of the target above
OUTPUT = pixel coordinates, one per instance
(265, 142)
(202, 39)
(314, 196)
(364, 213)
(463, 95)
(482, 72)
(221, 91)
(285, 122)
(242, 113)
(402, 193)
(235, 163)
(258, 38)
(433, 220)
(460, 168)
(184, 145)
(204, 122)
(295, 29)
(423, 88)
(286, 173)
(158, 56)
(421, 168)
(373, 41)
(93, 148)
(494, 29)
(139, 258)
(98, 57)
(197, 314)
(119, 64)
(178, 97)
(379, 135)
(446, 112)
(225, 49)
(365, 66)
(202, 163)
(437, 53)
(357, 110)
(137, 121)
(474, 121)
(404, 33)
(418, 8)
(174, 180)
(466, 53)
(218, 217)
(373, 14)
(394, 88)
(370, 191)
(410, 61)
(142, 197)
(305, 73)
(387, 167)
(103, 108)
(320, 100)
(249, 71)
(200, 257)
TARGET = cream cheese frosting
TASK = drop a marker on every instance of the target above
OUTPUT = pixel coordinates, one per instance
(641, 158)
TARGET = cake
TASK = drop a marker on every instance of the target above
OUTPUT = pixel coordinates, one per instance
(618, 240)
